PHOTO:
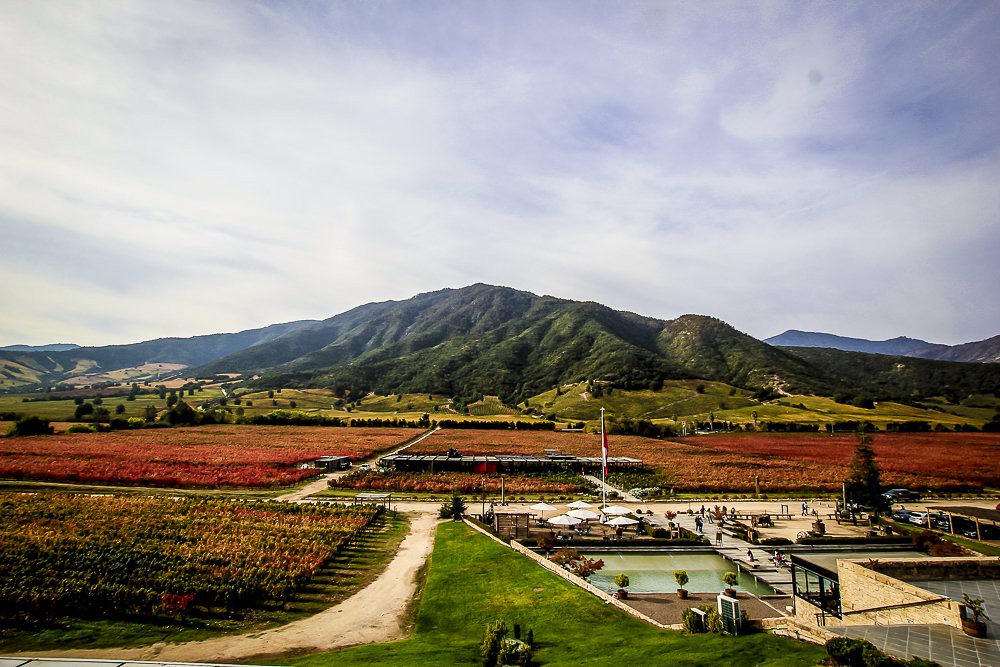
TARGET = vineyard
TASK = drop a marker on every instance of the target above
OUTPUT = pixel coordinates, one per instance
(202, 457)
(784, 462)
(90, 557)
(461, 482)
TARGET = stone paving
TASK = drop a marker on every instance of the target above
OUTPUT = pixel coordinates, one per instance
(941, 643)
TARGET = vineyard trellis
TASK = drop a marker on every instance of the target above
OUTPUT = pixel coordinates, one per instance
(86, 556)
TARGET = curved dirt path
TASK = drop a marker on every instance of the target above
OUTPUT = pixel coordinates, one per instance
(373, 614)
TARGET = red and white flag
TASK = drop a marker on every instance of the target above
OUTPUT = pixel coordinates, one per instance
(604, 445)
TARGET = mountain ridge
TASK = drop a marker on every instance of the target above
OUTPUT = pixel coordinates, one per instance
(485, 339)
(982, 351)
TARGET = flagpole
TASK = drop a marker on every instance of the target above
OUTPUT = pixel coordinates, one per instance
(604, 466)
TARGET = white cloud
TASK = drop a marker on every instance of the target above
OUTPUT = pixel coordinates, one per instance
(187, 168)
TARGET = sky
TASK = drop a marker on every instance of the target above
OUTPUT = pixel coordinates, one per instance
(176, 168)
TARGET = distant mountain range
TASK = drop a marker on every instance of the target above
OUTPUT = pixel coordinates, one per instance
(983, 351)
(492, 340)
(54, 347)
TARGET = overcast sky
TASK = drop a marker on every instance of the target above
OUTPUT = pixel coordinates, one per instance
(173, 169)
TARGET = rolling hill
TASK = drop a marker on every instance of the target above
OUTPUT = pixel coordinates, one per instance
(496, 341)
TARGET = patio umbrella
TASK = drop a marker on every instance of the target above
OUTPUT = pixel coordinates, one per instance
(616, 510)
(580, 505)
(542, 507)
(565, 520)
(583, 514)
(621, 521)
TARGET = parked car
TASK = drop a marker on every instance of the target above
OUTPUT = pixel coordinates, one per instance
(897, 495)
(902, 515)
(365, 466)
(941, 522)
(919, 518)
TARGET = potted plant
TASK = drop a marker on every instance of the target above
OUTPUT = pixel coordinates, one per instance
(681, 577)
(730, 579)
(622, 582)
(976, 625)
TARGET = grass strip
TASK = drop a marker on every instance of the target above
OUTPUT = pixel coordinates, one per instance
(473, 581)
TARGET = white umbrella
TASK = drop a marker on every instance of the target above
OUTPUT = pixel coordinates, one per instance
(622, 521)
(616, 510)
(583, 514)
(542, 507)
(580, 505)
(565, 520)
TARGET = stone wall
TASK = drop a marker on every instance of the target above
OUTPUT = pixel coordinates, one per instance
(869, 597)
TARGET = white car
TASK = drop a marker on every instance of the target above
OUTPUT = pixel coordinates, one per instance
(364, 466)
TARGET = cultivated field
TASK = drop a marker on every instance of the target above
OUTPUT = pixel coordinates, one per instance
(189, 457)
(465, 483)
(784, 462)
(93, 556)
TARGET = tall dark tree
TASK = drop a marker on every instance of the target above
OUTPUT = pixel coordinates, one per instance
(864, 481)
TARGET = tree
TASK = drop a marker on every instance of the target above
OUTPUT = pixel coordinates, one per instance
(864, 481)
(453, 509)
(31, 425)
(83, 410)
(120, 409)
(182, 413)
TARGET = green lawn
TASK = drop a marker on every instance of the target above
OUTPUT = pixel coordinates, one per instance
(472, 581)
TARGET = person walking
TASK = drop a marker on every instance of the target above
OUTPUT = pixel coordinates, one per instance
(805, 509)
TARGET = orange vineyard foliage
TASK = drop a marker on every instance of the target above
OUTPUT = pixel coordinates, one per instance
(201, 457)
(88, 556)
(784, 462)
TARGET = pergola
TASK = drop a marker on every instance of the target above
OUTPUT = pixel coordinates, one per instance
(383, 499)
(974, 514)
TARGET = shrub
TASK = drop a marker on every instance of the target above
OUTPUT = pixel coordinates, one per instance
(81, 428)
(681, 577)
(31, 425)
(621, 581)
(874, 657)
(493, 642)
(713, 621)
(847, 652)
(691, 622)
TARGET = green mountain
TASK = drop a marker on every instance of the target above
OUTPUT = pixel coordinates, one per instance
(487, 340)
(495, 340)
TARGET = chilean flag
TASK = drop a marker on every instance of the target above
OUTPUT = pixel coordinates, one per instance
(604, 445)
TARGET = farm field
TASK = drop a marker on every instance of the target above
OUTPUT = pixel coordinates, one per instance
(85, 556)
(189, 457)
(942, 462)
(462, 482)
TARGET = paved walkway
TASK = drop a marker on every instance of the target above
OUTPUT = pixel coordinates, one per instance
(941, 643)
